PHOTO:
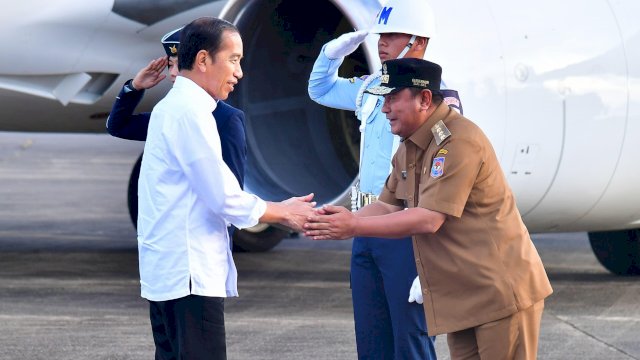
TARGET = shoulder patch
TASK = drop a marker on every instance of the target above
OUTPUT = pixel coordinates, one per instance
(437, 168)
(440, 132)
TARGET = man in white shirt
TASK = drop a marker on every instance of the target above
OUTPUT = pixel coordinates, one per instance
(188, 197)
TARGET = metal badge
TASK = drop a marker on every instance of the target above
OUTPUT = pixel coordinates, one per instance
(440, 132)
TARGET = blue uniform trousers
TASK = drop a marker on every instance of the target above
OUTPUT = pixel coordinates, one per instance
(387, 325)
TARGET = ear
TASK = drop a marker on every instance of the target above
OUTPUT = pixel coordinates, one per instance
(426, 99)
(420, 44)
(201, 60)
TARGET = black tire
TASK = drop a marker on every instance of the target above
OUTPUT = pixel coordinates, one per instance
(617, 251)
(132, 192)
(246, 241)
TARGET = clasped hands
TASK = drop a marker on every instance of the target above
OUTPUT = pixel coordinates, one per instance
(323, 223)
(331, 222)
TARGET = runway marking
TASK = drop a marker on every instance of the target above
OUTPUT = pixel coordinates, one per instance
(565, 320)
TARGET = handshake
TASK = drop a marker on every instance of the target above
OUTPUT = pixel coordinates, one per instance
(329, 222)
(322, 223)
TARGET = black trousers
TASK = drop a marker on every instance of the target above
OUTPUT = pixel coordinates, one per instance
(189, 328)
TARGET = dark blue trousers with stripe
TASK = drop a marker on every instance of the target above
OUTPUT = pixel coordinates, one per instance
(387, 325)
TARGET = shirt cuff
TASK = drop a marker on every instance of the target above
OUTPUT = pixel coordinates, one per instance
(128, 87)
(258, 210)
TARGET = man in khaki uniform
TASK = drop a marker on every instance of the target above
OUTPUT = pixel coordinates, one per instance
(482, 279)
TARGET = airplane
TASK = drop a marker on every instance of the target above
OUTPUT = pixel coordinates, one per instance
(554, 85)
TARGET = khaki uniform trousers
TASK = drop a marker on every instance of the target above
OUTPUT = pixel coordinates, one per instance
(512, 338)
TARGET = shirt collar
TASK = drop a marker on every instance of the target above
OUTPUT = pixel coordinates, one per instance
(423, 136)
(195, 92)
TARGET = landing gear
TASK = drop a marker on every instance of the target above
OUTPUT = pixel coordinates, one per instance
(259, 238)
(617, 251)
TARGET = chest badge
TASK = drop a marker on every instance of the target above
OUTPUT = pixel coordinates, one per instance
(437, 168)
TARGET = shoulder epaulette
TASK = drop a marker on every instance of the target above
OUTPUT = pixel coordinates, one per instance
(440, 132)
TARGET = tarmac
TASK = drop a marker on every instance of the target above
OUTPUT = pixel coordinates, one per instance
(69, 284)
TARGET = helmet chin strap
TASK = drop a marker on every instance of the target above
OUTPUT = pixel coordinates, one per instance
(407, 48)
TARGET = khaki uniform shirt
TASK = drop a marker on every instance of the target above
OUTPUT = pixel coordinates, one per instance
(481, 265)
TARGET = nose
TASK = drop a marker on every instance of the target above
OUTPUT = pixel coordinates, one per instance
(385, 106)
(238, 72)
(173, 70)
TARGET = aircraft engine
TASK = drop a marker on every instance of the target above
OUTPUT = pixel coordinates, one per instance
(295, 146)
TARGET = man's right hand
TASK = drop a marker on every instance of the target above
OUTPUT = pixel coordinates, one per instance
(298, 209)
(150, 75)
(345, 44)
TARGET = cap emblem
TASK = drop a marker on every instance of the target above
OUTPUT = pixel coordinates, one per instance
(174, 49)
(420, 82)
(384, 79)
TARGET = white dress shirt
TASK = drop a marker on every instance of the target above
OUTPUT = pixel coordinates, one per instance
(186, 198)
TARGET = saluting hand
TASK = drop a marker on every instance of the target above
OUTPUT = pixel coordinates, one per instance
(150, 75)
(331, 222)
(345, 44)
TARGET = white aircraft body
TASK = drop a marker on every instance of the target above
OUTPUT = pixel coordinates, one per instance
(554, 84)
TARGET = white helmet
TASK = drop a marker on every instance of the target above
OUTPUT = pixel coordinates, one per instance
(406, 17)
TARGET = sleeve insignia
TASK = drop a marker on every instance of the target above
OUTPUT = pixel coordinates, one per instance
(443, 152)
(437, 168)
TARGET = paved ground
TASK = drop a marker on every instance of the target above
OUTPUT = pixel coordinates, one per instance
(69, 285)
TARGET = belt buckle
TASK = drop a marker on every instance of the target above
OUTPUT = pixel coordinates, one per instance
(366, 199)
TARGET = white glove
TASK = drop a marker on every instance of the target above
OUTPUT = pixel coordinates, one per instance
(415, 293)
(345, 44)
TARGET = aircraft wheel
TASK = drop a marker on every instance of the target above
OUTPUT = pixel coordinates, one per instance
(259, 238)
(132, 192)
(617, 251)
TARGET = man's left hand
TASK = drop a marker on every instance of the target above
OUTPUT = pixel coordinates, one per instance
(331, 222)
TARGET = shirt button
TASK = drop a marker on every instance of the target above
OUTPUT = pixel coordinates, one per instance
(410, 197)
(425, 291)
(411, 166)
(417, 260)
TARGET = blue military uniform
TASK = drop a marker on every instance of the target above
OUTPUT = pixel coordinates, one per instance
(382, 271)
